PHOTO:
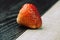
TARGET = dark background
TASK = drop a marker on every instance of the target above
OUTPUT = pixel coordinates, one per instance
(9, 29)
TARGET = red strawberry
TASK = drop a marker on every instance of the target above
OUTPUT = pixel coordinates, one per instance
(29, 16)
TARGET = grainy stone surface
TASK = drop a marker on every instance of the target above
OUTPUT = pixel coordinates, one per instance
(50, 29)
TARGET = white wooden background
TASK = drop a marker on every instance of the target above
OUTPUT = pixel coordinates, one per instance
(50, 28)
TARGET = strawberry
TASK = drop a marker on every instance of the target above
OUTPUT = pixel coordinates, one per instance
(29, 16)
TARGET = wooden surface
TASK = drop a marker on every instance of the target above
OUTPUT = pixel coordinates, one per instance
(9, 29)
(50, 29)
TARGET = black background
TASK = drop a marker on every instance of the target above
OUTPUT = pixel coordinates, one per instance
(9, 29)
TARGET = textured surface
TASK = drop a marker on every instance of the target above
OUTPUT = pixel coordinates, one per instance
(9, 29)
(50, 29)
